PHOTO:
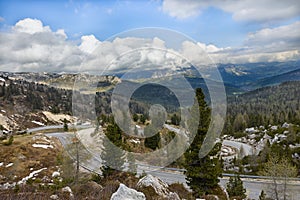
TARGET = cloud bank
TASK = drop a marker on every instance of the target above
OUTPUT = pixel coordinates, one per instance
(31, 46)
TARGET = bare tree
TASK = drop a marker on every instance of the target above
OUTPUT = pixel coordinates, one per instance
(280, 170)
(76, 155)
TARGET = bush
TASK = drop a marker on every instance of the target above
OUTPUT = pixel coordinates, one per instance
(152, 142)
(182, 192)
(96, 178)
(9, 141)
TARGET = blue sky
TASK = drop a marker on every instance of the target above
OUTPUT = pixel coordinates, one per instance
(106, 18)
(232, 31)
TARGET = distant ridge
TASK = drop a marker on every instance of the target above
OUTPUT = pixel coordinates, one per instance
(275, 80)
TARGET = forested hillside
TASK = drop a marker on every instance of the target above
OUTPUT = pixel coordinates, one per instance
(21, 96)
(264, 106)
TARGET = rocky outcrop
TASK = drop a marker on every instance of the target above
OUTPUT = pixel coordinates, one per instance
(161, 188)
(125, 193)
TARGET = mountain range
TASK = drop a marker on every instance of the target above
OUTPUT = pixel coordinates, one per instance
(237, 78)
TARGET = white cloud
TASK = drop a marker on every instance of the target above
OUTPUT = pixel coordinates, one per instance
(89, 43)
(183, 9)
(31, 26)
(279, 38)
(266, 45)
(245, 10)
(31, 46)
(62, 33)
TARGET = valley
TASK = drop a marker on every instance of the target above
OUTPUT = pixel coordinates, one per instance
(37, 112)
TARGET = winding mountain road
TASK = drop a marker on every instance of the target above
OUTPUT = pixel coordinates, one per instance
(253, 184)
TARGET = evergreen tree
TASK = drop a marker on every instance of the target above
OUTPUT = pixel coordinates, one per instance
(175, 119)
(262, 196)
(112, 155)
(235, 187)
(66, 128)
(202, 173)
(135, 117)
(153, 141)
(142, 119)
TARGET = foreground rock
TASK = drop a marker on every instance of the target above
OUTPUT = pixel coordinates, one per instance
(125, 193)
(161, 188)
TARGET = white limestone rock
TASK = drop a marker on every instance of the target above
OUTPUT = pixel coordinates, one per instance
(161, 188)
(125, 193)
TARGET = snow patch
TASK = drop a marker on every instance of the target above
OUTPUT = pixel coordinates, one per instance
(135, 141)
(38, 123)
(23, 181)
(44, 146)
(9, 165)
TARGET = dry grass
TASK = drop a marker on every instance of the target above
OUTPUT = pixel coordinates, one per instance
(182, 192)
(25, 157)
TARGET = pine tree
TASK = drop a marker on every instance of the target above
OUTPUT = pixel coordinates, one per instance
(262, 196)
(152, 142)
(135, 117)
(175, 119)
(235, 187)
(112, 155)
(202, 173)
(66, 128)
(142, 119)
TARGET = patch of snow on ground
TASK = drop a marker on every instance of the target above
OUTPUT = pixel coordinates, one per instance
(9, 165)
(44, 146)
(135, 141)
(23, 181)
(38, 123)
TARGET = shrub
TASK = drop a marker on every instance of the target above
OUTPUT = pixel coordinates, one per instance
(9, 141)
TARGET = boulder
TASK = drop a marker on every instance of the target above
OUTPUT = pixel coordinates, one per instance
(161, 188)
(67, 189)
(125, 193)
(55, 174)
(54, 197)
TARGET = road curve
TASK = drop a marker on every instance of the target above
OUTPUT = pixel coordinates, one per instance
(253, 185)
